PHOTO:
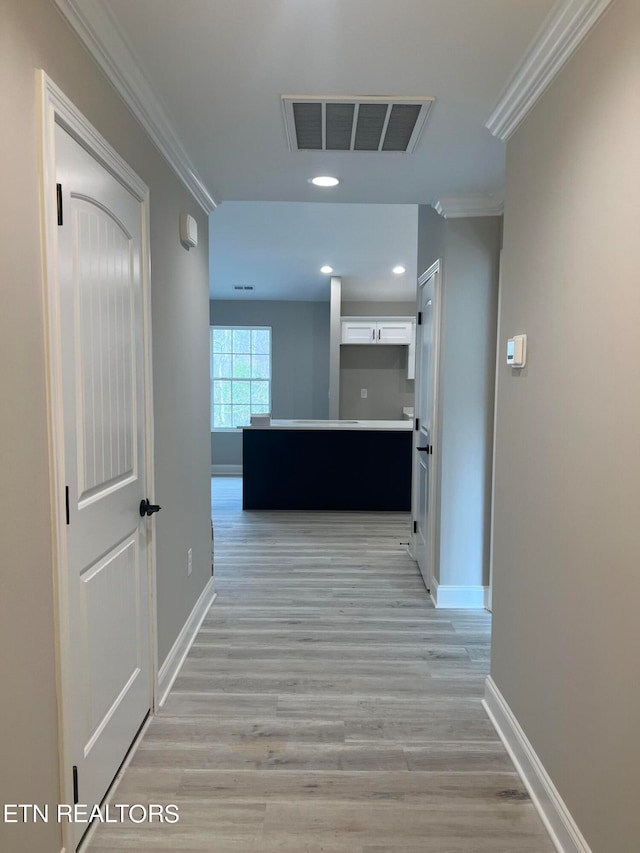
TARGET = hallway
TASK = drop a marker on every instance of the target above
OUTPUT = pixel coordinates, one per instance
(326, 706)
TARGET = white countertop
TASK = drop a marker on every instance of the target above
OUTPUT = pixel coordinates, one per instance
(328, 424)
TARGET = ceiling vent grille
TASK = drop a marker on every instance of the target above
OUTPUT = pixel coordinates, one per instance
(354, 124)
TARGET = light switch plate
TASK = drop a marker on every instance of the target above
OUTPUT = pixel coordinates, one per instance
(188, 230)
(363, 393)
(517, 351)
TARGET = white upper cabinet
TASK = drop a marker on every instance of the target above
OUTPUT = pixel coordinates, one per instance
(359, 331)
(394, 332)
(378, 330)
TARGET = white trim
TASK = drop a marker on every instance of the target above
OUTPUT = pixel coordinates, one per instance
(150, 468)
(226, 470)
(555, 815)
(173, 662)
(459, 597)
(56, 108)
(426, 275)
(458, 207)
(98, 31)
(435, 271)
(568, 23)
(335, 338)
(495, 432)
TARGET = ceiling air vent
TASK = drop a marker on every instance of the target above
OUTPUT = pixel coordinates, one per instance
(354, 124)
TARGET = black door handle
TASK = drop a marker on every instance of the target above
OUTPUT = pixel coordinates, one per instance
(426, 449)
(148, 509)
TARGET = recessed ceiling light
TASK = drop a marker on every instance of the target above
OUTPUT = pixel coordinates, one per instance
(324, 181)
(398, 270)
(327, 270)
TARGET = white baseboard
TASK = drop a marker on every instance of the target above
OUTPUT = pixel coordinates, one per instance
(226, 470)
(555, 815)
(459, 597)
(173, 663)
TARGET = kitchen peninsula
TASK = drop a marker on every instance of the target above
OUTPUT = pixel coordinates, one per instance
(327, 465)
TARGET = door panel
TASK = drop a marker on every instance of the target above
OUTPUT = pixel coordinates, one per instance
(100, 278)
(106, 345)
(112, 648)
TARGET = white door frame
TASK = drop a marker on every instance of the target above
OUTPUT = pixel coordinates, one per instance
(434, 474)
(495, 424)
(56, 108)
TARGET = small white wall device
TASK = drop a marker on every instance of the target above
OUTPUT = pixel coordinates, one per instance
(188, 230)
(517, 351)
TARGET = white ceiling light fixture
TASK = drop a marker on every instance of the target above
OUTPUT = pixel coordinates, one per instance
(398, 270)
(326, 269)
(324, 181)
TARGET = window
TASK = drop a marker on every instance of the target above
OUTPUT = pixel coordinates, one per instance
(240, 375)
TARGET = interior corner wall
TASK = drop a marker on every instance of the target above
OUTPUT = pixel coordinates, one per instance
(467, 395)
(567, 491)
(299, 361)
(32, 36)
(469, 250)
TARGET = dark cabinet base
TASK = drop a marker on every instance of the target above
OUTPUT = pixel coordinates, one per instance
(366, 470)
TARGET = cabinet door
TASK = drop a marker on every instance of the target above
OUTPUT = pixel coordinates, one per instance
(358, 332)
(394, 332)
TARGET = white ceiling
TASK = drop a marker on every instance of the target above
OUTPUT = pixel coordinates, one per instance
(220, 67)
(279, 248)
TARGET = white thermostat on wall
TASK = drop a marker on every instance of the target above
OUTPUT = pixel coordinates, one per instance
(188, 230)
(517, 351)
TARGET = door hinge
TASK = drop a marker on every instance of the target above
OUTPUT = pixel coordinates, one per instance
(415, 526)
(66, 502)
(59, 202)
(417, 423)
(76, 797)
(419, 312)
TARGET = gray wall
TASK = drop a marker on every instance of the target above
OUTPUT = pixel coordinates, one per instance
(34, 35)
(300, 361)
(469, 320)
(470, 254)
(567, 501)
(382, 370)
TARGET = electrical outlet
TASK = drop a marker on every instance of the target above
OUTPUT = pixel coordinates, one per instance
(363, 393)
(189, 561)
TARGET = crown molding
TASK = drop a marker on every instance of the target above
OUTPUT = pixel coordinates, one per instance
(568, 23)
(100, 34)
(457, 207)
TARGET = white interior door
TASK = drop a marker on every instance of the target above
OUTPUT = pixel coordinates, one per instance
(102, 358)
(424, 434)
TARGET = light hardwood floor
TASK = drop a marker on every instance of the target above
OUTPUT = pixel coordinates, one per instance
(326, 706)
